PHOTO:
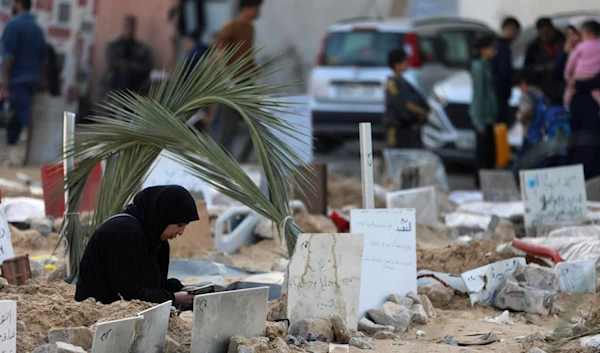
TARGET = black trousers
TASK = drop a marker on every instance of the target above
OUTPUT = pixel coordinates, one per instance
(485, 154)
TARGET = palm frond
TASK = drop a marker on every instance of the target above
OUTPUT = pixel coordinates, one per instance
(133, 130)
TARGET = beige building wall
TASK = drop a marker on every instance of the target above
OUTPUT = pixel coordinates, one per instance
(527, 11)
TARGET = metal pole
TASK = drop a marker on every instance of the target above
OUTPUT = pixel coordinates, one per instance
(366, 159)
(68, 163)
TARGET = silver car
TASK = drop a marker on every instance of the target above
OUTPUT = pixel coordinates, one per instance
(347, 85)
(449, 131)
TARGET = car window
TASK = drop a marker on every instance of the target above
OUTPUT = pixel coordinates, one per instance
(427, 50)
(361, 48)
(455, 49)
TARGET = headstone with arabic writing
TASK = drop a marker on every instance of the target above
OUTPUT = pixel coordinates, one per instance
(553, 195)
(6, 248)
(483, 283)
(324, 277)
(8, 326)
(390, 254)
(116, 336)
(220, 316)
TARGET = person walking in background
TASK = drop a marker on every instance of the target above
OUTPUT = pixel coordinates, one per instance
(404, 111)
(584, 61)
(503, 68)
(484, 107)
(541, 55)
(238, 32)
(23, 70)
(129, 61)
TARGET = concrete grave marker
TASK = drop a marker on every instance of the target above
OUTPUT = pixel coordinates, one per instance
(6, 248)
(553, 195)
(8, 326)
(499, 186)
(592, 189)
(219, 316)
(390, 254)
(153, 330)
(423, 200)
(577, 276)
(116, 336)
(324, 277)
(416, 175)
(483, 283)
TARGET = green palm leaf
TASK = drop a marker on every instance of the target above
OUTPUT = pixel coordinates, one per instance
(132, 130)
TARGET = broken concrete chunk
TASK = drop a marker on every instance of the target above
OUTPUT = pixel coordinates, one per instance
(340, 331)
(419, 314)
(438, 294)
(317, 326)
(392, 314)
(402, 300)
(383, 335)
(171, 346)
(44, 226)
(521, 297)
(368, 326)
(429, 309)
(538, 277)
(77, 336)
(414, 297)
(277, 309)
(21, 327)
(360, 343)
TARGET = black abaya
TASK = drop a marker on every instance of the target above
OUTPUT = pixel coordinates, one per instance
(125, 258)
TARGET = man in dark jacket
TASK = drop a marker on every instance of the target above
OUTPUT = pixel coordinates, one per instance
(128, 255)
(129, 61)
(502, 66)
(405, 110)
(541, 56)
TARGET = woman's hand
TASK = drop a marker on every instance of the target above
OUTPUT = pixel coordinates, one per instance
(183, 300)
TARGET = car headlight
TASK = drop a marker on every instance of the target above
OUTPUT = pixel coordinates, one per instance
(439, 96)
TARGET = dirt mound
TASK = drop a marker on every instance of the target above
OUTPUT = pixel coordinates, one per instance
(456, 259)
(46, 306)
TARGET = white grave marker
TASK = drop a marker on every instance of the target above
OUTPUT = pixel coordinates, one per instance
(423, 200)
(577, 276)
(165, 171)
(8, 326)
(6, 248)
(300, 118)
(219, 316)
(115, 336)
(153, 330)
(390, 254)
(552, 195)
(324, 277)
(484, 282)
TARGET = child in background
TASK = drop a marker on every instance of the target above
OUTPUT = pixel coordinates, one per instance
(584, 60)
(526, 81)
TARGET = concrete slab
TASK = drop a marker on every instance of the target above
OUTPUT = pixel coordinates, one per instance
(116, 336)
(325, 277)
(153, 330)
(338, 348)
(499, 186)
(423, 200)
(8, 326)
(219, 316)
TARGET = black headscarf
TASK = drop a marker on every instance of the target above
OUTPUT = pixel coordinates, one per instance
(159, 206)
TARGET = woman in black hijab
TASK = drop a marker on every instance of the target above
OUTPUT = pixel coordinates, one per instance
(128, 255)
